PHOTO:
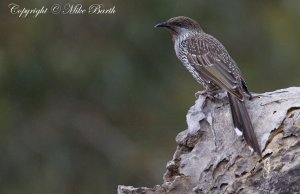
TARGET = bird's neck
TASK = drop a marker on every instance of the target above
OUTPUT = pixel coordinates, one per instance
(184, 35)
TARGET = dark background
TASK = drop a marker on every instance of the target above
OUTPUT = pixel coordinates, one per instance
(88, 102)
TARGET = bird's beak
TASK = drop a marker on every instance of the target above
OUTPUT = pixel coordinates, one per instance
(162, 24)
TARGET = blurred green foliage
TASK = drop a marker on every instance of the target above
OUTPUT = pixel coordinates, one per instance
(88, 102)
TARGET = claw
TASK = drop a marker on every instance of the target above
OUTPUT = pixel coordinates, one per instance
(205, 93)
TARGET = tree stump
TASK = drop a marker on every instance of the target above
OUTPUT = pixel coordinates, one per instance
(212, 158)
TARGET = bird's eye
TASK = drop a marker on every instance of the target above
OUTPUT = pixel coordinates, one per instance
(178, 24)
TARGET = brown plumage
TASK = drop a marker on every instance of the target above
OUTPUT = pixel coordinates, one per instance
(210, 64)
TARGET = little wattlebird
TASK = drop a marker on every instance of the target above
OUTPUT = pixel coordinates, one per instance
(211, 65)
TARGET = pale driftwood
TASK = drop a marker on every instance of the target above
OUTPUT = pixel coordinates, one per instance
(211, 158)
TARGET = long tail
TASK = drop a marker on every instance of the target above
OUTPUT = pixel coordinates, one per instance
(241, 120)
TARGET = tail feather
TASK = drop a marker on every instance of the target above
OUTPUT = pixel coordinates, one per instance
(241, 120)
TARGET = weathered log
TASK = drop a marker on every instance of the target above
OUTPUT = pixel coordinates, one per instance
(212, 158)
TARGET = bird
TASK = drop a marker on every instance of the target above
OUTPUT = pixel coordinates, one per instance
(210, 64)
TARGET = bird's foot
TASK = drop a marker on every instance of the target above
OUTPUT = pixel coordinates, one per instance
(205, 93)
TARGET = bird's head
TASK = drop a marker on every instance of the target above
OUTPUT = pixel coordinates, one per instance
(180, 24)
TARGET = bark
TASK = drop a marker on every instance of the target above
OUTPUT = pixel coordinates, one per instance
(212, 158)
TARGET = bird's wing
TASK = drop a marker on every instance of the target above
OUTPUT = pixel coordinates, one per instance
(210, 58)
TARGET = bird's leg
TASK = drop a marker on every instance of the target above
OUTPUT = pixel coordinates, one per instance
(206, 93)
(209, 92)
(249, 95)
